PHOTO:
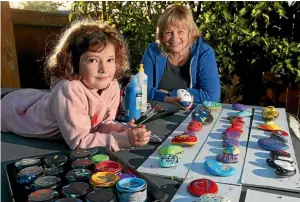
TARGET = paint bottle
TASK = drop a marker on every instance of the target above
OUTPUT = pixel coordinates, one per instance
(143, 81)
(133, 99)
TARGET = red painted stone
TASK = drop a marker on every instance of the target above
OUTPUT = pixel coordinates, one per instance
(194, 126)
(232, 128)
(281, 132)
(234, 125)
(202, 186)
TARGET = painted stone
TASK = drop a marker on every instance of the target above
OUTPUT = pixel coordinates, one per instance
(238, 126)
(231, 134)
(272, 144)
(281, 172)
(168, 160)
(236, 119)
(194, 126)
(185, 140)
(231, 142)
(281, 158)
(213, 198)
(279, 137)
(234, 129)
(171, 149)
(199, 115)
(270, 113)
(185, 97)
(214, 168)
(188, 133)
(275, 154)
(202, 186)
(281, 132)
(238, 122)
(279, 164)
(269, 127)
(227, 158)
(212, 105)
(155, 139)
(231, 150)
(239, 107)
(243, 114)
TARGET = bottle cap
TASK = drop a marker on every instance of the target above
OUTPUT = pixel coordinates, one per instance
(141, 68)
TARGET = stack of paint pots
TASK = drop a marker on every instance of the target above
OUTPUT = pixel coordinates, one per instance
(276, 143)
(79, 177)
(206, 190)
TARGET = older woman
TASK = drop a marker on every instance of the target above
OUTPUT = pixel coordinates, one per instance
(180, 60)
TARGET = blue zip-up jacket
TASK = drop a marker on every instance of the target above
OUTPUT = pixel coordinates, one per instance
(205, 81)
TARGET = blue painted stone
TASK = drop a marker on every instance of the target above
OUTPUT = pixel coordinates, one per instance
(243, 114)
(199, 115)
(212, 105)
(214, 168)
(168, 160)
(230, 142)
(279, 137)
(227, 158)
(239, 107)
(272, 144)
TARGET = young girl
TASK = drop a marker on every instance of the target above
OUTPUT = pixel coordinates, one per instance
(85, 94)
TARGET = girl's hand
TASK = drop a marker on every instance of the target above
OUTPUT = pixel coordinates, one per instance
(138, 136)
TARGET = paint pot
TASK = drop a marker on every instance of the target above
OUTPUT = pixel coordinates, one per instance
(56, 161)
(102, 195)
(83, 163)
(47, 182)
(46, 195)
(76, 190)
(29, 174)
(80, 154)
(109, 166)
(78, 175)
(69, 199)
(132, 190)
(27, 162)
(103, 180)
(99, 158)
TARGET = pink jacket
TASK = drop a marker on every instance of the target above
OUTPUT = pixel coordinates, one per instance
(85, 119)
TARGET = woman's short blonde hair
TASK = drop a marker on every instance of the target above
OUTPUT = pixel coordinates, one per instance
(63, 62)
(176, 15)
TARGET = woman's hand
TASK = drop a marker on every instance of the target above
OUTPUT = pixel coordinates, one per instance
(176, 101)
(164, 91)
(138, 134)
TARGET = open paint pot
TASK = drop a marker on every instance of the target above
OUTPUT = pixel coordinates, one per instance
(27, 162)
(29, 174)
(47, 182)
(101, 180)
(83, 163)
(109, 166)
(132, 189)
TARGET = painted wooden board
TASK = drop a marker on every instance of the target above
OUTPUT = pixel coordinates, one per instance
(231, 191)
(257, 196)
(151, 165)
(256, 170)
(214, 146)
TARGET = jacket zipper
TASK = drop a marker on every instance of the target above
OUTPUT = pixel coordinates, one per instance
(191, 76)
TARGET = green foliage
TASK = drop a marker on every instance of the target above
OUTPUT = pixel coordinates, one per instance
(242, 33)
(44, 6)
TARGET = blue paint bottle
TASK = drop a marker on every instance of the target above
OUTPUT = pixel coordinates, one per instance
(133, 99)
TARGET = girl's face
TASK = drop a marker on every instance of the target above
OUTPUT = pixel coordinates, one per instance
(97, 69)
(176, 39)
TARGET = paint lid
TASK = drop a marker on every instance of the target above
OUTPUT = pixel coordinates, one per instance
(27, 162)
(29, 174)
(43, 195)
(104, 179)
(76, 189)
(83, 163)
(56, 171)
(69, 199)
(79, 175)
(132, 184)
(47, 182)
(101, 195)
(109, 166)
(99, 158)
(55, 160)
(126, 175)
(202, 186)
(80, 154)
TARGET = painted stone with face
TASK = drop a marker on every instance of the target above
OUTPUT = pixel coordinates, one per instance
(184, 96)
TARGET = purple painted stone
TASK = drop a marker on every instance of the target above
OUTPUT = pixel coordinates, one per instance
(272, 144)
(231, 142)
(227, 158)
(231, 134)
(239, 107)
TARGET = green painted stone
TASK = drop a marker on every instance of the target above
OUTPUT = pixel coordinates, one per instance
(171, 149)
(99, 157)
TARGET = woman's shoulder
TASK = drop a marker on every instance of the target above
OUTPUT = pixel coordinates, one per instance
(154, 47)
(200, 45)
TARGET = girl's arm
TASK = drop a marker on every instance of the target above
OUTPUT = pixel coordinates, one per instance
(69, 107)
(149, 66)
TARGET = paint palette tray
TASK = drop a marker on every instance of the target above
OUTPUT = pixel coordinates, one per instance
(20, 189)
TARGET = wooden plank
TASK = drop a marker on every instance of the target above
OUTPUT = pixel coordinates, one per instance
(256, 171)
(259, 196)
(27, 17)
(214, 146)
(151, 165)
(9, 66)
(233, 192)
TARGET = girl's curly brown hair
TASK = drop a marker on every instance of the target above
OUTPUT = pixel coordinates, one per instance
(63, 62)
